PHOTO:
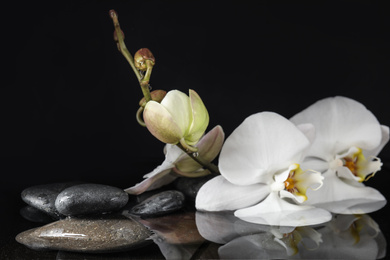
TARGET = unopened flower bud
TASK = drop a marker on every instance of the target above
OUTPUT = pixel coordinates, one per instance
(140, 58)
(178, 118)
(156, 95)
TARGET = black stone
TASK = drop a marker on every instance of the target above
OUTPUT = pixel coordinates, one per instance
(191, 186)
(35, 215)
(87, 199)
(43, 197)
(160, 204)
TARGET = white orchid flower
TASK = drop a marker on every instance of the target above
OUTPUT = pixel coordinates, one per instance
(177, 163)
(348, 139)
(260, 175)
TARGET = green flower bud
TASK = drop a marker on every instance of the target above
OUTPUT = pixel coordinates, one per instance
(177, 118)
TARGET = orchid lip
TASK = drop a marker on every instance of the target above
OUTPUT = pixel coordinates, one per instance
(359, 168)
(294, 182)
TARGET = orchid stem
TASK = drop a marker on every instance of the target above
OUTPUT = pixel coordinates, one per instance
(139, 116)
(121, 44)
(208, 165)
(144, 82)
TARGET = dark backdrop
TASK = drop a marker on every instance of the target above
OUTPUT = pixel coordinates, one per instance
(70, 97)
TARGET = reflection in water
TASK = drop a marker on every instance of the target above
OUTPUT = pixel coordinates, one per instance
(177, 236)
(208, 235)
(344, 237)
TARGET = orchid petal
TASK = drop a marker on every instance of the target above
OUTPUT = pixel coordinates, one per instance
(275, 211)
(308, 130)
(339, 197)
(218, 194)
(263, 144)
(178, 105)
(315, 164)
(344, 172)
(161, 175)
(161, 124)
(200, 118)
(156, 181)
(384, 141)
(208, 148)
(192, 174)
(172, 153)
(340, 123)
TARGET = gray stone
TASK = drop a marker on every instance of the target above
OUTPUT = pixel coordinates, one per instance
(191, 186)
(43, 197)
(35, 215)
(106, 233)
(160, 204)
(87, 199)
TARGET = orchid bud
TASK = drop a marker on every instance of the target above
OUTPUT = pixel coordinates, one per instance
(140, 58)
(177, 118)
(156, 95)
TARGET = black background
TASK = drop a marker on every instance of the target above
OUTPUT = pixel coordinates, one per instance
(69, 97)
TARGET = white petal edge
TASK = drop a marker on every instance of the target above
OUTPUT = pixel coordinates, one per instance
(178, 105)
(156, 181)
(308, 130)
(384, 141)
(262, 145)
(277, 212)
(340, 122)
(218, 194)
(339, 197)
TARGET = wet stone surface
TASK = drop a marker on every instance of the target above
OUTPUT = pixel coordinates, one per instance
(106, 233)
(160, 204)
(191, 186)
(43, 197)
(86, 199)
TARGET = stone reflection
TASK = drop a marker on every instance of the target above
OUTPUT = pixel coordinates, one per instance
(344, 237)
(177, 236)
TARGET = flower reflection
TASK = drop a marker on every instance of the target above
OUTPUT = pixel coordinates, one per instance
(344, 237)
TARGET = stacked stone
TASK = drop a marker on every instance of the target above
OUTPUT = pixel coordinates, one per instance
(92, 218)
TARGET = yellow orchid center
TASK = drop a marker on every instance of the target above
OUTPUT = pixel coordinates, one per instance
(358, 165)
(294, 182)
(290, 183)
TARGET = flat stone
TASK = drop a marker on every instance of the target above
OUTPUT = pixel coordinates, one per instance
(87, 199)
(160, 204)
(106, 233)
(43, 197)
(191, 186)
